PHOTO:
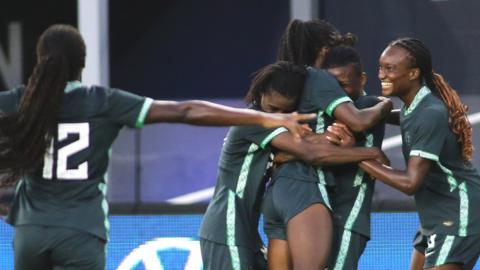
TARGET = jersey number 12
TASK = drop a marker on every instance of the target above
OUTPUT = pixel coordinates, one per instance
(62, 172)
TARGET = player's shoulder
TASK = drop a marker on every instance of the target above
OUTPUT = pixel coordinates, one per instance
(432, 107)
(94, 94)
(93, 100)
(247, 130)
(432, 102)
(316, 74)
(98, 91)
(430, 114)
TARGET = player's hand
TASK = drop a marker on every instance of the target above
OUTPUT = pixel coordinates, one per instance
(282, 157)
(290, 121)
(387, 105)
(339, 134)
(381, 157)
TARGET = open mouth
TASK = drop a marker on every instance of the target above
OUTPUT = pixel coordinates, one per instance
(386, 84)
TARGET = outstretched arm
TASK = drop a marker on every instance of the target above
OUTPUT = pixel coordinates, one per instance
(407, 181)
(361, 120)
(211, 114)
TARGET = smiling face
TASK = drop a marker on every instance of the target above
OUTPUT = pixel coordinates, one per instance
(273, 102)
(350, 79)
(396, 73)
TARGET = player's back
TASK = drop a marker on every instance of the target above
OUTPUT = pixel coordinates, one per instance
(69, 188)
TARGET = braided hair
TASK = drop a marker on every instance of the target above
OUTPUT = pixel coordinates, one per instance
(25, 134)
(303, 40)
(421, 58)
(283, 77)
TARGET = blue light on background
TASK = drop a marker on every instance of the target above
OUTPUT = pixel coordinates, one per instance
(145, 242)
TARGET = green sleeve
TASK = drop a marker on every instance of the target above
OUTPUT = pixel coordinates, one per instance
(126, 108)
(321, 93)
(261, 136)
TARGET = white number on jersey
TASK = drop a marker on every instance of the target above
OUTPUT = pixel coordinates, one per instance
(81, 172)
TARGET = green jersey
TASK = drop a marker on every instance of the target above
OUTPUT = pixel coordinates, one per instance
(448, 198)
(233, 213)
(351, 198)
(69, 189)
(321, 95)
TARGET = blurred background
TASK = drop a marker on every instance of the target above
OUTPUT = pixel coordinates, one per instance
(162, 177)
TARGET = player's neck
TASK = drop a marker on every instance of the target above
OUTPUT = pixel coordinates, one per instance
(410, 94)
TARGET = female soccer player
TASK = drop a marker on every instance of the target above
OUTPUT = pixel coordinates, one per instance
(302, 229)
(229, 233)
(437, 147)
(351, 197)
(55, 135)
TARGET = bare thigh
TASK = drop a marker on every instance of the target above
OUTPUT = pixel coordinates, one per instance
(309, 236)
(279, 255)
(417, 261)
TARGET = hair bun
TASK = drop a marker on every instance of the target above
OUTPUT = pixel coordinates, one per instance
(348, 39)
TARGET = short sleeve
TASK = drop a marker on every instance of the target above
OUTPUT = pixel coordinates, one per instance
(10, 100)
(126, 108)
(321, 92)
(261, 136)
(430, 134)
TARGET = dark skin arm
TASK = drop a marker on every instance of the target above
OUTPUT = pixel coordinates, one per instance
(361, 120)
(205, 113)
(407, 181)
(324, 153)
(338, 134)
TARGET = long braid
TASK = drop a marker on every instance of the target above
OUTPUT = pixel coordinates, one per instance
(303, 40)
(292, 44)
(25, 134)
(457, 111)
